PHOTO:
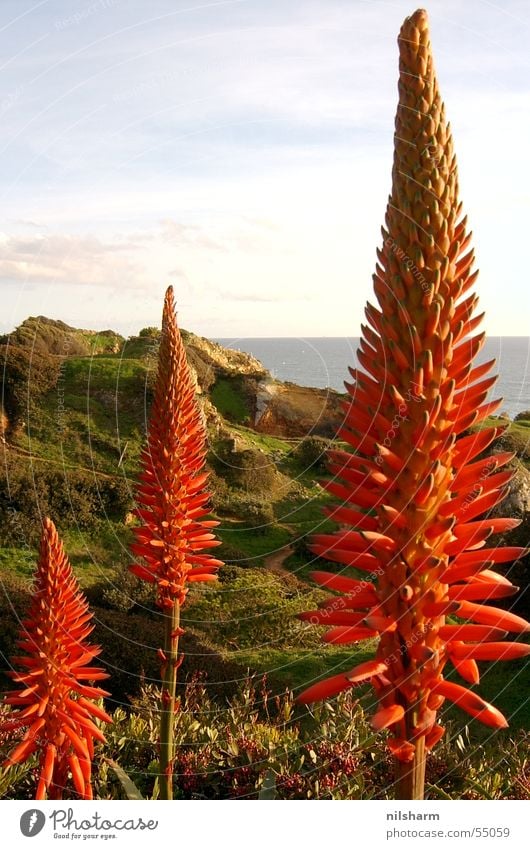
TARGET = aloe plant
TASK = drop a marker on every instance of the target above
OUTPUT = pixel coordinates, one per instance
(54, 703)
(172, 506)
(412, 489)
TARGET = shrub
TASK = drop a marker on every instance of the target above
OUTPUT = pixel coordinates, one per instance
(311, 452)
(232, 555)
(123, 592)
(256, 511)
(254, 608)
(27, 375)
(32, 490)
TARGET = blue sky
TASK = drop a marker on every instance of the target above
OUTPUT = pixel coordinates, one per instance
(242, 152)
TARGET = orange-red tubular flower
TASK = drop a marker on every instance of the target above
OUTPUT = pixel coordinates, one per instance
(173, 541)
(174, 537)
(411, 492)
(54, 705)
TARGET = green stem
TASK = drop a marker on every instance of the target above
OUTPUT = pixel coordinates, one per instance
(167, 702)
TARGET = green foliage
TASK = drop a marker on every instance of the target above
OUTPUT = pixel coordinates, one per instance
(27, 376)
(310, 452)
(248, 469)
(236, 750)
(122, 591)
(259, 742)
(30, 491)
(255, 608)
(254, 511)
(231, 555)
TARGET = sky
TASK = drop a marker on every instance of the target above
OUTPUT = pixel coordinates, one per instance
(241, 151)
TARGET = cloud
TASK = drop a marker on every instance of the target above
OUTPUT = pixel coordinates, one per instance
(33, 225)
(62, 258)
(253, 297)
(180, 234)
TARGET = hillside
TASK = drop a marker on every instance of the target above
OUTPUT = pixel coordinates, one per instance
(74, 413)
(73, 422)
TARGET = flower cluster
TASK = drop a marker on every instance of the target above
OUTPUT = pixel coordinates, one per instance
(54, 703)
(408, 511)
(172, 501)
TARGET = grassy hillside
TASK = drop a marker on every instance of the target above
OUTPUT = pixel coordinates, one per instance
(71, 450)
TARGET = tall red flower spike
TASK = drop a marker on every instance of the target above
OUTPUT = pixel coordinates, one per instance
(172, 505)
(54, 704)
(411, 491)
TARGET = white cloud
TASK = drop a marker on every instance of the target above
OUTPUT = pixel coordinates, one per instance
(68, 259)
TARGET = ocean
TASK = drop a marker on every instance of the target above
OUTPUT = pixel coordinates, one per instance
(323, 362)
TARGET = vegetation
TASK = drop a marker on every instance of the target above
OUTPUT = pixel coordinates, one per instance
(259, 745)
(76, 408)
(228, 395)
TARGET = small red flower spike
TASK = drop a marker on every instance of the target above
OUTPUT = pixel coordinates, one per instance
(54, 704)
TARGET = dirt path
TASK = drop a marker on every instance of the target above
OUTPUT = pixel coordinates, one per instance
(274, 562)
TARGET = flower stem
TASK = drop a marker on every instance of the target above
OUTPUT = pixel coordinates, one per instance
(410, 777)
(167, 702)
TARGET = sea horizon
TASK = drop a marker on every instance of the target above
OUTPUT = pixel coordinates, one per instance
(322, 362)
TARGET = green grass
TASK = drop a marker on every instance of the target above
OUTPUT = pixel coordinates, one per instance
(229, 398)
(296, 668)
(105, 374)
(256, 545)
(269, 444)
(18, 561)
(305, 513)
(95, 555)
(102, 402)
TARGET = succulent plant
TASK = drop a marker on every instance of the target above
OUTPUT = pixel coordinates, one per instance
(56, 699)
(415, 482)
(173, 538)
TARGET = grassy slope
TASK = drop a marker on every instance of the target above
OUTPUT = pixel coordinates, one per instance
(103, 416)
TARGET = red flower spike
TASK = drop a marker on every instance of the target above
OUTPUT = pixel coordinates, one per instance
(412, 493)
(55, 715)
(173, 478)
(175, 534)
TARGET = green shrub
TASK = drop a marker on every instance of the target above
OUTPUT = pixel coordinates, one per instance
(231, 555)
(311, 452)
(255, 511)
(254, 608)
(78, 497)
(27, 376)
(122, 591)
